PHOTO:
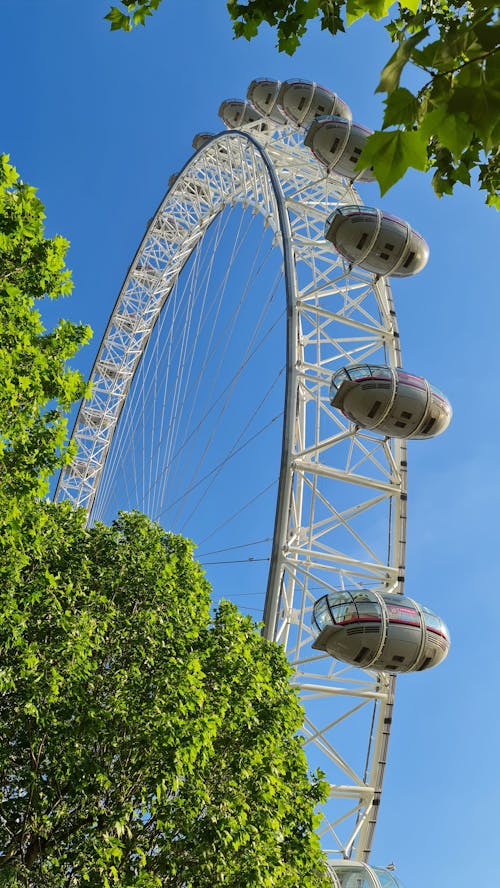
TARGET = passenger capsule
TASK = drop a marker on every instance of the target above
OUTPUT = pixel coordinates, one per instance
(354, 874)
(338, 142)
(201, 139)
(235, 113)
(381, 243)
(390, 401)
(379, 630)
(302, 100)
(263, 95)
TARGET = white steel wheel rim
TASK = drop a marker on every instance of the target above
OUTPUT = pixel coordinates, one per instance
(335, 316)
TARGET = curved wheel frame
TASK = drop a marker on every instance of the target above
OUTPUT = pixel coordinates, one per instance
(333, 476)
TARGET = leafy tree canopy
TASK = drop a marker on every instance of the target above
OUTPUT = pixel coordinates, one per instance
(142, 743)
(36, 386)
(451, 124)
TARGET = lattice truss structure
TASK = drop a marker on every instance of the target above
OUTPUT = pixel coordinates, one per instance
(341, 504)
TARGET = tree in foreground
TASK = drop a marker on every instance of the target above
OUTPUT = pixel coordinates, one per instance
(450, 123)
(36, 386)
(143, 743)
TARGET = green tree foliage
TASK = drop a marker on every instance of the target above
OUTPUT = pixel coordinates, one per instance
(36, 386)
(141, 742)
(451, 124)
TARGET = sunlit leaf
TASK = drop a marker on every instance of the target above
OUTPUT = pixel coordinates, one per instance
(391, 73)
(391, 153)
(401, 108)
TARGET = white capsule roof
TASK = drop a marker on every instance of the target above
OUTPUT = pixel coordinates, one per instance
(303, 100)
(379, 630)
(376, 241)
(390, 401)
(263, 94)
(235, 113)
(337, 143)
(354, 874)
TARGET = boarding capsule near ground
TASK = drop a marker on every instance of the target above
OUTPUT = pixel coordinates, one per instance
(355, 874)
(303, 100)
(235, 113)
(376, 241)
(379, 630)
(337, 143)
(263, 95)
(390, 401)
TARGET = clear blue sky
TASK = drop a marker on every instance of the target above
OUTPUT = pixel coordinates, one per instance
(98, 121)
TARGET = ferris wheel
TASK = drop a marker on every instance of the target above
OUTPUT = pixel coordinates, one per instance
(249, 392)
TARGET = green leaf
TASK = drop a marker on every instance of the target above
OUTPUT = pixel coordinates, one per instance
(119, 21)
(455, 132)
(401, 108)
(391, 153)
(480, 104)
(377, 9)
(412, 5)
(391, 72)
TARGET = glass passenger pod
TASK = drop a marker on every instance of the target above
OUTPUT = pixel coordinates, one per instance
(235, 113)
(303, 100)
(201, 139)
(263, 95)
(380, 243)
(379, 630)
(337, 143)
(390, 401)
(351, 874)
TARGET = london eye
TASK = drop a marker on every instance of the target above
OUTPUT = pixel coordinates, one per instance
(250, 392)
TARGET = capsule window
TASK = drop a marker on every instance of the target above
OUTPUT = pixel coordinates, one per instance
(406, 415)
(362, 241)
(321, 108)
(364, 595)
(359, 372)
(388, 246)
(384, 256)
(334, 145)
(369, 610)
(301, 103)
(268, 98)
(345, 613)
(381, 372)
(362, 655)
(353, 159)
(374, 409)
(432, 621)
(409, 260)
(428, 426)
(321, 614)
(340, 377)
(335, 598)
(400, 425)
